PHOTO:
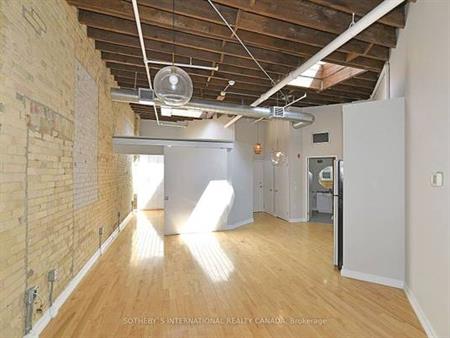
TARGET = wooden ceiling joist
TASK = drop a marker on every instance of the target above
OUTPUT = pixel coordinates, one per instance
(280, 34)
(127, 61)
(301, 13)
(263, 27)
(123, 32)
(395, 18)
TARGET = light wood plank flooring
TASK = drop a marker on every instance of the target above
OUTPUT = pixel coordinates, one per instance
(267, 279)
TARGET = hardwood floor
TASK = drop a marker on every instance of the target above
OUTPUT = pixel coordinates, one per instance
(267, 279)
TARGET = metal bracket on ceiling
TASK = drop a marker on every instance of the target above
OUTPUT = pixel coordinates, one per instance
(188, 65)
(294, 101)
(353, 20)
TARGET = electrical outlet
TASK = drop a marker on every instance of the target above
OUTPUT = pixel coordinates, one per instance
(52, 275)
(31, 294)
(100, 231)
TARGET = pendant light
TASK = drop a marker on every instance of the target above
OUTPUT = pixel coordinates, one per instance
(257, 148)
(278, 157)
(173, 86)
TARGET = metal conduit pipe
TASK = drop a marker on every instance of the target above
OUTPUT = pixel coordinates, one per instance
(144, 96)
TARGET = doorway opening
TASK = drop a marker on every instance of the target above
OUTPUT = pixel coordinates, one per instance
(320, 189)
(148, 182)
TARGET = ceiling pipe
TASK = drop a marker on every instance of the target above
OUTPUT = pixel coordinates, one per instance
(146, 97)
(144, 52)
(356, 28)
(184, 65)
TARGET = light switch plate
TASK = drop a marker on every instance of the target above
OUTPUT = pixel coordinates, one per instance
(437, 179)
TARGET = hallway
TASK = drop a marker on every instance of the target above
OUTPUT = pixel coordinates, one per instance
(267, 279)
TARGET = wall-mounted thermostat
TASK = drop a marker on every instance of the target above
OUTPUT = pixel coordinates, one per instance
(437, 179)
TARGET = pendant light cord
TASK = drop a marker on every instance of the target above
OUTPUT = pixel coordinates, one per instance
(173, 32)
(243, 45)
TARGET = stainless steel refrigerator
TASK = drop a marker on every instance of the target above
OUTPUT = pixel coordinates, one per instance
(338, 203)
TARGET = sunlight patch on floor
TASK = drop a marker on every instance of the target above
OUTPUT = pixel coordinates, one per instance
(209, 255)
(146, 241)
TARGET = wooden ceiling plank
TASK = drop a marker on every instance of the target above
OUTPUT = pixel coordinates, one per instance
(221, 82)
(192, 41)
(135, 52)
(107, 28)
(296, 13)
(340, 76)
(396, 18)
(109, 57)
(186, 24)
(130, 60)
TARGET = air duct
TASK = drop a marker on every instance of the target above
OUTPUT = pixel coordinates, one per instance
(146, 97)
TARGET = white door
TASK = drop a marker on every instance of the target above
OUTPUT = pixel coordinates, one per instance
(281, 189)
(258, 186)
(268, 187)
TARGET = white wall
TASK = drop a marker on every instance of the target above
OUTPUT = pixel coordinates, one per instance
(211, 129)
(240, 171)
(374, 191)
(327, 119)
(420, 71)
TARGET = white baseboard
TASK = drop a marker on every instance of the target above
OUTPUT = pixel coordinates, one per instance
(372, 278)
(423, 319)
(52, 311)
(298, 220)
(239, 224)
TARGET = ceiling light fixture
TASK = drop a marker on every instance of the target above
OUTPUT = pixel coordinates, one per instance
(170, 111)
(221, 97)
(173, 86)
(257, 147)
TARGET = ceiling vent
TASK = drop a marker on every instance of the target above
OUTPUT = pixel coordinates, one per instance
(146, 94)
(278, 112)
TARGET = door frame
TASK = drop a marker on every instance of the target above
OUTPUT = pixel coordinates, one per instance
(306, 192)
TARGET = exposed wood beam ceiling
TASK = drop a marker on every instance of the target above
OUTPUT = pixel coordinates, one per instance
(280, 34)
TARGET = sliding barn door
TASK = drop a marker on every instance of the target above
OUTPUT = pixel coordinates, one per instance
(198, 196)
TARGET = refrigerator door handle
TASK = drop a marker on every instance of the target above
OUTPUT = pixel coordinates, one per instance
(335, 229)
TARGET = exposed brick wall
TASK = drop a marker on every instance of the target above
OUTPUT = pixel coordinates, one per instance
(85, 139)
(40, 227)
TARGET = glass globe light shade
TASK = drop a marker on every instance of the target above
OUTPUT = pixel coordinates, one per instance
(278, 157)
(173, 86)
